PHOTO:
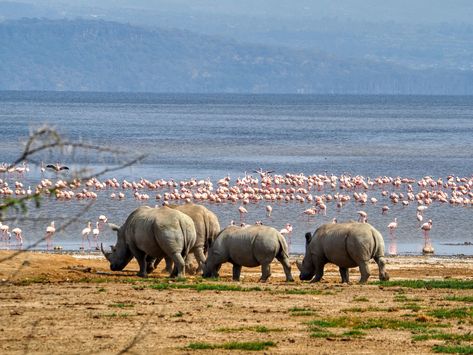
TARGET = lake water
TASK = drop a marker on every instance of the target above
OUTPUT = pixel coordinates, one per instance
(212, 136)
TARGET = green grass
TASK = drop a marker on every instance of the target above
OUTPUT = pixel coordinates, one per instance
(450, 283)
(412, 306)
(121, 305)
(449, 313)
(294, 291)
(370, 309)
(41, 279)
(467, 299)
(202, 287)
(354, 333)
(443, 336)
(234, 345)
(373, 323)
(301, 311)
(404, 298)
(453, 349)
(256, 328)
(361, 299)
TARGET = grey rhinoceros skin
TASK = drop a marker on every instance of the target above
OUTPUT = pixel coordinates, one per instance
(206, 227)
(151, 234)
(249, 246)
(346, 245)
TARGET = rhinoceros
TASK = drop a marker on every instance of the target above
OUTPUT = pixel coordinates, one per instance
(346, 245)
(206, 227)
(248, 246)
(151, 234)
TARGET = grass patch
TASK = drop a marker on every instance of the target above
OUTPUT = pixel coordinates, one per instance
(458, 313)
(412, 306)
(467, 299)
(203, 287)
(301, 311)
(178, 314)
(361, 299)
(295, 291)
(234, 345)
(121, 305)
(450, 283)
(372, 323)
(453, 349)
(101, 289)
(370, 309)
(355, 333)
(41, 279)
(256, 328)
(404, 298)
(443, 336)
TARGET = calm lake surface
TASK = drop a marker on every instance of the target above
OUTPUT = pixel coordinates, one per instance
(212, 136)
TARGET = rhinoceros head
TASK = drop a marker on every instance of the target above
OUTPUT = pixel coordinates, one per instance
(306, 268)
(120, 255)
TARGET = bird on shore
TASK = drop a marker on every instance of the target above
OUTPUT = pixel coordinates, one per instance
(18, 233)
(286, 232)
(95, 234)
(393, 243)
(242, 211)
(85, 233)
(50, 230)
(363, 217)
(426, 227)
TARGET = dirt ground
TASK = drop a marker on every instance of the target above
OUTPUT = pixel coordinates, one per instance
(57, 303)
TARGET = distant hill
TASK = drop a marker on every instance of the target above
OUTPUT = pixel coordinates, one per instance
(86, 55)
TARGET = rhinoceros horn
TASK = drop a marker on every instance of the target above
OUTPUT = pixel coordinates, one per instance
(299, 265)
(107, 255)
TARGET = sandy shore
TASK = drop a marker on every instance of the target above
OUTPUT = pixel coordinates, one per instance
(57, 303)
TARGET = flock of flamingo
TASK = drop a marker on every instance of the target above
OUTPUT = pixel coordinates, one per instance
(263, 187)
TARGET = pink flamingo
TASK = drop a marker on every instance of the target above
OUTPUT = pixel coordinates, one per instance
(85, 233)
(17, 232)
(269, 209)
(334, 220)
(102, 220)
(50, 230)
(286, 232)
(393, 244)
(363, 217)
(426, 227)
(242, 211)
(384, 209)
(4, 229)
(95, 233)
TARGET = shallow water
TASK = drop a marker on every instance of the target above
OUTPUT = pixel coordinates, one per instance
(214, 135)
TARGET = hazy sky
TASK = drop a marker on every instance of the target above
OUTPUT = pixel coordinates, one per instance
(412, 11)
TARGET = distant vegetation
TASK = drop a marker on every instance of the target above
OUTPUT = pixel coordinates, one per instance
(85, 55)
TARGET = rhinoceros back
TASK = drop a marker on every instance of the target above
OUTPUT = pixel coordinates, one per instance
(345, 244)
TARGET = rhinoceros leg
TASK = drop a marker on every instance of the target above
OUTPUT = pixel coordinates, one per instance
(345, 274)
(236, 272)
(200, 257)
(383, 275)
(265, 272)
(151, 263)
(179, 265)
(141, 257)
(286, 266)
(364, 271)
(319, 271)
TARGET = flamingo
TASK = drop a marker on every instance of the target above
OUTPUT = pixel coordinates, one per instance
(242, 211)
(50, 230)
(363, 217)
(85, 233)
(286, 232)
(334, 220)
(392, 229)
(95, 233)
(426, 227)
(18, 235)
(4, 229)
(384, 209)
(102, 220)
(269, 209)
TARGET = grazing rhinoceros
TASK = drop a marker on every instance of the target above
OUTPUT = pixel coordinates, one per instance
(151, 234)
(206, 227)
(248, 246)
(346, 245)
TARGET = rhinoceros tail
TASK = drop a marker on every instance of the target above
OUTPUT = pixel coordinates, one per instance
(283, 249)
(378, 250)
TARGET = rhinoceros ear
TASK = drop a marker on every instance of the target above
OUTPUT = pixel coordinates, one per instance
(308, 237)
(114, 226)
